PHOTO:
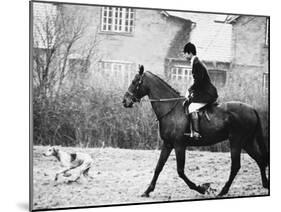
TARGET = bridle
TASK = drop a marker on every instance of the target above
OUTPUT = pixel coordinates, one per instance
(132, 95)
(136, 99)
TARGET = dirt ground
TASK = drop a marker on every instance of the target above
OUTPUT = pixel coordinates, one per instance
(120, 176)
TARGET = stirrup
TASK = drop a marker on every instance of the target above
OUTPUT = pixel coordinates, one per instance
(196, 135)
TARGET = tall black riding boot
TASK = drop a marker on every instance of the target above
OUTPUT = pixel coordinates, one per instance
(194, 123)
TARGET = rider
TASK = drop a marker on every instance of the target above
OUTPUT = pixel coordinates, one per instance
(201, 92)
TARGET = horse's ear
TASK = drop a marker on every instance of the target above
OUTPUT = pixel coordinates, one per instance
(141, 69)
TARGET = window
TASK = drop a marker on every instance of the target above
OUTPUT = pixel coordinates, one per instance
(42, 54)
(265, 83)
(181, 74)
(267, 32)
(78, 65)
(117, 19)
(118, 70)
(41, 58)
(218, 77)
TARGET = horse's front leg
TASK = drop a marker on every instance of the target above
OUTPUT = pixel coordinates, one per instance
(165, 152)
(180, 155)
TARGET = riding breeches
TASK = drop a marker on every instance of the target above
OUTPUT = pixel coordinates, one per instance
(194, 106)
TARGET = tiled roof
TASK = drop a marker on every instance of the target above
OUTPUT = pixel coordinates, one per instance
(212, 39)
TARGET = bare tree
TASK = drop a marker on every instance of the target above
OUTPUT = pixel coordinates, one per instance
(56, 38)
(58, 31)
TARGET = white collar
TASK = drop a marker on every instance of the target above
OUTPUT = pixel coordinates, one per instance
(192, 59)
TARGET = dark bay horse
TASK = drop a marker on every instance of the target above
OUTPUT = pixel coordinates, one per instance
(235, 121)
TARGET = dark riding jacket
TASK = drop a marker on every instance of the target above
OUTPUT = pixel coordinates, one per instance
(202, 90)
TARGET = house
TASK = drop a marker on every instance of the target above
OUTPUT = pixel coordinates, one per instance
(155, 38)
(132, 36)
(250, 55)
(213, 42)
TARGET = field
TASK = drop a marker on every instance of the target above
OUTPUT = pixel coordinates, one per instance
(120, 176)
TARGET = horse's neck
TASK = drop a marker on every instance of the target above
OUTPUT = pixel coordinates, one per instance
(155, 94)
(160, 90)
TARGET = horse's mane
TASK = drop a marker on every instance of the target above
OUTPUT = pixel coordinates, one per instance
(165, 83)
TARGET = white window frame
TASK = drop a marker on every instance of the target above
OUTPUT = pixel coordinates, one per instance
(184, 77)
(121, 20)
(121, 70)
(79, 61)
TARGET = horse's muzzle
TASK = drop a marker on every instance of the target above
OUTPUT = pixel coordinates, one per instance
(127, 101)
(130, 105)
(127, 104)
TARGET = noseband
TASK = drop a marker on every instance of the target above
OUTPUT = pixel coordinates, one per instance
(132, 95)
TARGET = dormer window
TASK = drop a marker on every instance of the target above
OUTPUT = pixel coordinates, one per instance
(118, 19)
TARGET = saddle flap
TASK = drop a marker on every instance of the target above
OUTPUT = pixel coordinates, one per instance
(204, 111)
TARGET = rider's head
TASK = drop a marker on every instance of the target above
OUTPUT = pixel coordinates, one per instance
(189, 50)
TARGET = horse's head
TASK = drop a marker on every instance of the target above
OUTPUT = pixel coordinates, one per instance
(136, 90)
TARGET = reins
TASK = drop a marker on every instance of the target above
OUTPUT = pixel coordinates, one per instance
(172, 108)
(166, 100)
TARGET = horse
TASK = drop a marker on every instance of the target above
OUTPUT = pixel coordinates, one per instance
(237, 122)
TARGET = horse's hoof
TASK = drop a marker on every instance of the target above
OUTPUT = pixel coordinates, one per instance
(219, 195)
(266, 185)
(145, 195)
(206, 186)
(203, 188)
(222, 193)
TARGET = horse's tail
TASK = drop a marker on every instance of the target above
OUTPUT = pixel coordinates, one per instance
(260, 140)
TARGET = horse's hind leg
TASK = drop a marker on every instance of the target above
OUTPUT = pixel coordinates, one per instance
(165, 152)
(253, 150)
(180, 155)
(235, 151)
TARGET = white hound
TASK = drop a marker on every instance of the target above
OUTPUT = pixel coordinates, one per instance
(70, 161)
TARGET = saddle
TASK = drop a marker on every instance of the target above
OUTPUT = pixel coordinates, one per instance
(204, 111)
